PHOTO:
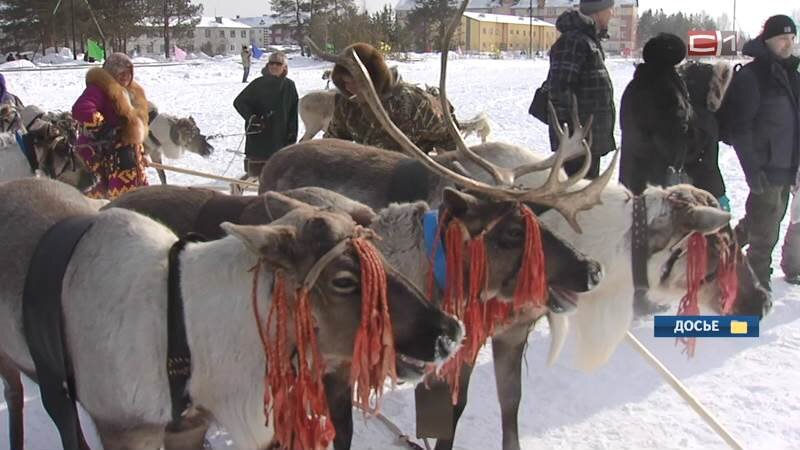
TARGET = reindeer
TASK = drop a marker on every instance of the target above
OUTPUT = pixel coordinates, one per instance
(202, 210)
(376, 178)
(129, 399)
(171, 136)
(42, 143)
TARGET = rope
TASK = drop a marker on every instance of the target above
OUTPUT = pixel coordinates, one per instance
(202, 174)
(684, 392)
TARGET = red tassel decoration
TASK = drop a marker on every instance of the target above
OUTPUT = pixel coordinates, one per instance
(727, 277)
(531, 280)
(373, 354)
(696, 267)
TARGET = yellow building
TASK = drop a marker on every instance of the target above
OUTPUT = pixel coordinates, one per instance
(482, 32)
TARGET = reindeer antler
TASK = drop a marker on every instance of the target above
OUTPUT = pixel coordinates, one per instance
(552, 193)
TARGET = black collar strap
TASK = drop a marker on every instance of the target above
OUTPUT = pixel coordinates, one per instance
(179, 357)
(35, 118)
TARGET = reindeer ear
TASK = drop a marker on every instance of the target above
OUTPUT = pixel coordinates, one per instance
(278, 205)
(706, 219)
(273, 243)
(457, 202)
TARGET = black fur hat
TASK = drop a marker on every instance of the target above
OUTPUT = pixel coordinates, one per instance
(664, 50)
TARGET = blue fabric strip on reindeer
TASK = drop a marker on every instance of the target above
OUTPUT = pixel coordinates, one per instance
(430, 227)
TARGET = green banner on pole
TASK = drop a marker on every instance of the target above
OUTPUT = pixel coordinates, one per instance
(95, 50)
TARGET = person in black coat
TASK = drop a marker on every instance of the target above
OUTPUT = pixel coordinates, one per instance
(577, 68)
(760, 117)
(269, 107)
(654, 116)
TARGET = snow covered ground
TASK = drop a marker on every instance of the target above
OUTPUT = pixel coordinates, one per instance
(751, 385)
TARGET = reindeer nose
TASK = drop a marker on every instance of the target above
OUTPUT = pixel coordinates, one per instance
(449, 340)
(595, 274)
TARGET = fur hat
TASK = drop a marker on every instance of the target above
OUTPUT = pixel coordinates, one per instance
(373, 61)
(666, 50)
(117, 63)
(592, 6)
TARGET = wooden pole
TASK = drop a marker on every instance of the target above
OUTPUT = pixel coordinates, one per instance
(683, 392)
(202, 174)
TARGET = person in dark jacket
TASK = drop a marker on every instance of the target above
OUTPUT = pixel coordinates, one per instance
(761, 120)
(577, 67)
(706, 84)
(269, 107)
(654, 117)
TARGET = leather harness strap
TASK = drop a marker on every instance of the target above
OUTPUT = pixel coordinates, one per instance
(179, 357)
(42, 318)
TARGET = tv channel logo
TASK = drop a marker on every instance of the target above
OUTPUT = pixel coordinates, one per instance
(706, 326)
(712, 43)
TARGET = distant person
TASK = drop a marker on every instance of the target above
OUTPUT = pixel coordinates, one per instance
(269, 107)
(760, 117)
(246, 59)
(7, 98)
(577, 68)
(10, 57)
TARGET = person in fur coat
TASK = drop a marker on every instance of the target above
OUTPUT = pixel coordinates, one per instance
(113, 113)
(654, 116)
(414, 110)
(706, 84)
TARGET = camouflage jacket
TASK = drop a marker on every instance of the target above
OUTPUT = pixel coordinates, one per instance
(415, 111)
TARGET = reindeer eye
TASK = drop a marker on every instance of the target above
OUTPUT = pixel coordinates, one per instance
(512, 236)
(345, 282)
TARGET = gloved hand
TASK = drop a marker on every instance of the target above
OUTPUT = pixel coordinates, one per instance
(724, 203)
(757, 183)
(254, 125)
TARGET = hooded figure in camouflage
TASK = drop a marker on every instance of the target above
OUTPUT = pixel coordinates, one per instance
(577, 68)
(414, 110)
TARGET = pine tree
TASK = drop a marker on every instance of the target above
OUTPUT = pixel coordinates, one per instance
(429, 20)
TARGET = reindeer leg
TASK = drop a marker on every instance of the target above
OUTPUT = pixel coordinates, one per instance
(340, 404)
(458, 408)
(507, 348)
(13, 391)
(156, 157)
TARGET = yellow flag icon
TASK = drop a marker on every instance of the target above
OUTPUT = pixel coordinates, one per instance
(738, 327)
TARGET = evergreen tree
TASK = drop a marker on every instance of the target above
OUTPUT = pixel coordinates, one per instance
(174, 18)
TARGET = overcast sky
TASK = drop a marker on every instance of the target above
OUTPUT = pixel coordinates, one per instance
(750, 14)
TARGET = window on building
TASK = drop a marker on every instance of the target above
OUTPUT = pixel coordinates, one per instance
(190, 34)
(221, 33)
(162, 48)
(233, 47)
(208, 33)
(150, 48)
(233, 33)
(484, 31)
(244, 34)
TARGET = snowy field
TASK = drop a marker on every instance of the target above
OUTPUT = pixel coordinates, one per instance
(751, 385)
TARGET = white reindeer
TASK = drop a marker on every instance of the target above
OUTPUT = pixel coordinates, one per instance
(114, 293)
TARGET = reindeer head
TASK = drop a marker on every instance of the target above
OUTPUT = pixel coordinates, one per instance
(53, 139)
(568, 271)
(673, 214)
(296, 241)
(10, 119)
(190, 138)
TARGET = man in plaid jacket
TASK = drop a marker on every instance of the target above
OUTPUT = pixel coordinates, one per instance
(577, 67)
